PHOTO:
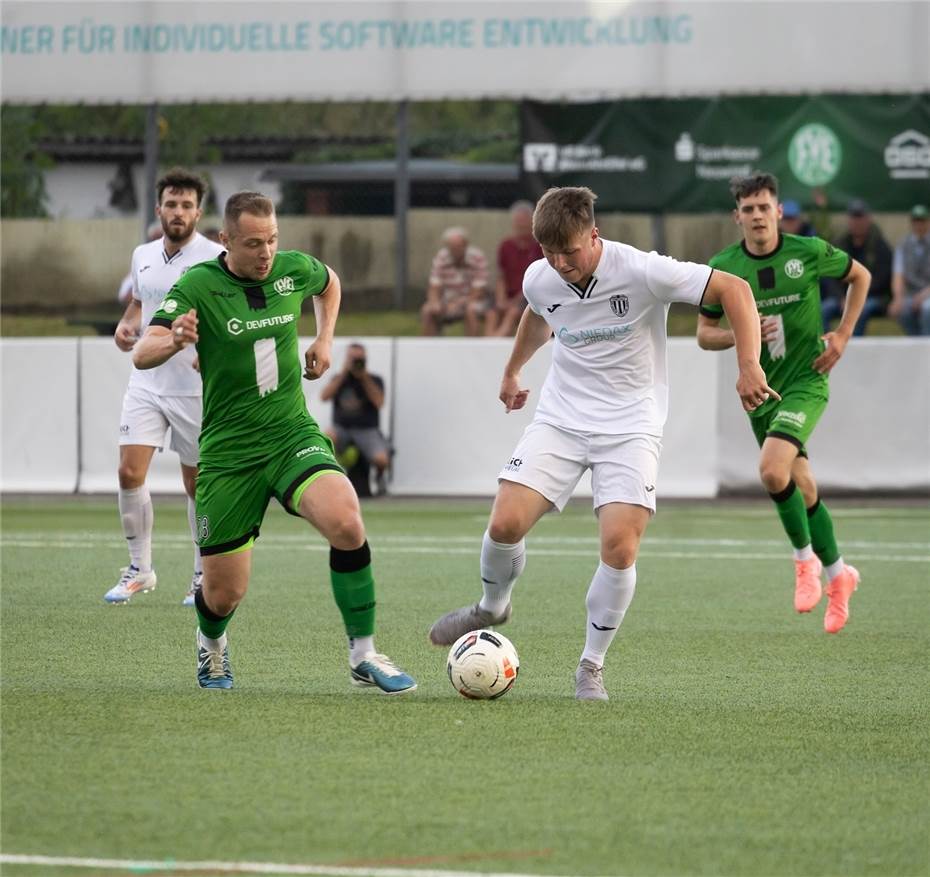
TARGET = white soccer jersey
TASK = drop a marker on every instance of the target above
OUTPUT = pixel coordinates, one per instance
(609, 373)
(153, 275)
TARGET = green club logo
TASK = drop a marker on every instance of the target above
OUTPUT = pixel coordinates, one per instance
(815, 154)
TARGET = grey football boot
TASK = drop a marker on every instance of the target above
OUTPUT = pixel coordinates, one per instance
(589, 682)
(457, 623)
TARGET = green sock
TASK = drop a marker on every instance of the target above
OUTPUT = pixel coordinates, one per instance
(354, 589)
(211, 625)
(789, 504)
(823, 541)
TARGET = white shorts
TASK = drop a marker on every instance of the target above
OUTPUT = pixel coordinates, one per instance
(552, 460)
(146, 417)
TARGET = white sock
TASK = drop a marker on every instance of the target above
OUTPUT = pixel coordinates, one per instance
(501, 565)
(609, 596)
(192, 520)
(805, 553)
(212, 645)
(360, 647)
(834, 569)
(137, 515)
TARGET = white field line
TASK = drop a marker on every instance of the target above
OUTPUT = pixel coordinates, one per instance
(11, 537)
(471, 549)
(172, 867)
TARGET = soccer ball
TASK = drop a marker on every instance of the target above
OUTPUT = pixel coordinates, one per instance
(483, 665)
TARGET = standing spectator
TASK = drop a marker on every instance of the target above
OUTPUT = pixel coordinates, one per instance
(864, 241)
(458, 285)
(358, 396)
(793, 220)
(514, 255)
(910, 281)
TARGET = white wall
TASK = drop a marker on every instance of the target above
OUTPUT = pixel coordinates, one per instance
(451, 434)
(875, 433)
(39, 440)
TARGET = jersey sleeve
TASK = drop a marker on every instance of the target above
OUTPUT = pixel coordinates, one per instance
(179, 300)
(712, 311)
(831, 260)
(317, 277)
(670, 280)
(530, 279)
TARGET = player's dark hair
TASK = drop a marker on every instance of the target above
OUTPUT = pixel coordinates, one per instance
(757, 181)
(253, 203)
(562, 214)
(181, 179)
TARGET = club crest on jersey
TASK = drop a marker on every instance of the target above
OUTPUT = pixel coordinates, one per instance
(169, 306)
(794, 268)
(619, 304)
(284, 285)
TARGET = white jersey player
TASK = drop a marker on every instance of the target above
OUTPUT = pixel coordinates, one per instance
(603, 407)
(165, 397)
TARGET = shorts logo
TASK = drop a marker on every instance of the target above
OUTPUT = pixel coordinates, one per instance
(203, 528)
(619, 304)
(798, 418)
(514, 464)
(313, 449)
(284, 285)
(169, 306)
(794, 268)
(234, 325)
(124, 428)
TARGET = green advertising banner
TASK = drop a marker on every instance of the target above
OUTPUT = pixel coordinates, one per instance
(677, 156)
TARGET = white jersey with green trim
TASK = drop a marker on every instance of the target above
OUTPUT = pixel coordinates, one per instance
(609, 372)
(154, 272)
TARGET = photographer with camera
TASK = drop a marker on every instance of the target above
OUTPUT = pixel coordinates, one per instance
(357, 397)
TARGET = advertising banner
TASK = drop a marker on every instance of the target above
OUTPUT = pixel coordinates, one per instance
(196, 51)
(677, 156)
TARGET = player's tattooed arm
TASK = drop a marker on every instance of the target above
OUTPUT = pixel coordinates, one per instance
(159, 343)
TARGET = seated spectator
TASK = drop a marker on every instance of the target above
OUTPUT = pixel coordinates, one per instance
(910, 279)
(793, 221)
(514, 255)
(864, 241)
(357, 397)
(458, 286)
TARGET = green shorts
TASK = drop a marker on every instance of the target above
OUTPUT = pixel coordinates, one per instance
(231, 503)
(792, 419)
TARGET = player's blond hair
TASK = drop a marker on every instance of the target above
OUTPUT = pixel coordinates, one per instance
(562, 214)
(253, 203)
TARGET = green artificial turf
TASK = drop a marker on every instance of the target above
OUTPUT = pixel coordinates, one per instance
(740, 739)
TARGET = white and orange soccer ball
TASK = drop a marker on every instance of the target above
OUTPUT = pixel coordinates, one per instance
(483, 665)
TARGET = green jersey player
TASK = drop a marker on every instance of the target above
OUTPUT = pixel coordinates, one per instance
(784, 272)
(258, 439)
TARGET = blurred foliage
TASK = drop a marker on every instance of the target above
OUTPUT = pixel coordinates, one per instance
(464, 130)
(22, 183)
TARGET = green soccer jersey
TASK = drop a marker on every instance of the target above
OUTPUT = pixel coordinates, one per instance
(249, 361)
(786, 286)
